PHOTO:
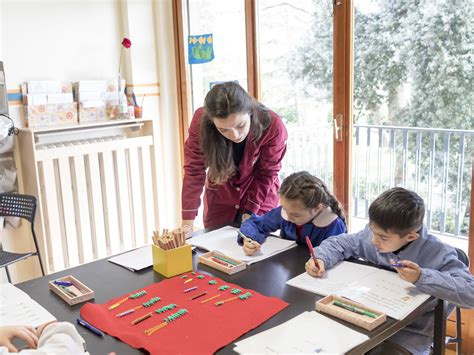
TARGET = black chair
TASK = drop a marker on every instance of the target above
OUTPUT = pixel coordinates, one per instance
(23, 206)
(458, 338)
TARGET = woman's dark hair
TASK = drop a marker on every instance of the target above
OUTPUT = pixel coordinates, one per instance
(311, 191)
(223, 100)
(398, 210)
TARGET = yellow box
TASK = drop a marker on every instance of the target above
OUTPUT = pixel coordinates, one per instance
(172, 262)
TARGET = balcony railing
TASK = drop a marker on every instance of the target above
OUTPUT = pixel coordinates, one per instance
(436, 163)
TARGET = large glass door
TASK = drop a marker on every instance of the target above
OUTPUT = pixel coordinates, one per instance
(295, 40)
(294, 57)
(413, 118)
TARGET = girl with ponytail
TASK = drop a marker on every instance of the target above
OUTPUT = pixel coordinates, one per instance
(307, 208)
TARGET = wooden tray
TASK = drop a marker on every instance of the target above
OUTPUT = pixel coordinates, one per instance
(83, 293)
(210, 259)
(326, 305)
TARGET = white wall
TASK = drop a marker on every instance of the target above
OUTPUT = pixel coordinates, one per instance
(78, 40)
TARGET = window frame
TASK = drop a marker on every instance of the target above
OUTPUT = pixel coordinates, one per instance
(342, 105)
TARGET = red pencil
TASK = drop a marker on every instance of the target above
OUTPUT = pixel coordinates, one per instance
(308, 242)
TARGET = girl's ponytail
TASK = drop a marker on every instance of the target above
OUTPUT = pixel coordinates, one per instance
(334, 204)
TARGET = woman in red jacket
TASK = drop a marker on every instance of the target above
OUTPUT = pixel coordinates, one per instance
(241, 143)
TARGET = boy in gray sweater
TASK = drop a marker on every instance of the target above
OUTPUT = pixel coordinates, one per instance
(396, 237)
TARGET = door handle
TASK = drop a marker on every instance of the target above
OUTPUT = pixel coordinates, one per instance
(339, 128)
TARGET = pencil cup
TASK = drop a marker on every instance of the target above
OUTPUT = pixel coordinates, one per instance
(138, 111)
(172, 262)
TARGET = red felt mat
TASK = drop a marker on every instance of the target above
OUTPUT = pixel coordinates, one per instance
(204, 329)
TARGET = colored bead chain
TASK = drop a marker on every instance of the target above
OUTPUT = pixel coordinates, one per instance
(165, 308)
(210, 298)
(151, 302)
(138, 294)
(142, 318)
(166, 321)
(127, 312)
(241, 297)
(176, 315)
(133, 296)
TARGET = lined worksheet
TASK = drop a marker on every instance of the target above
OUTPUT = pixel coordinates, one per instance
(380, 289)
(224, 240)
(17, 308)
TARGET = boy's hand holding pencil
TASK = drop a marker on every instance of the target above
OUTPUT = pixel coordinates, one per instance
(314, 267)
(407, 270)
(313, 270)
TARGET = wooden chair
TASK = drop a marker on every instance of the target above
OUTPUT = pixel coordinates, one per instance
(458, 338)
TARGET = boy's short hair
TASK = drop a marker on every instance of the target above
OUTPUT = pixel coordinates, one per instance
(398, 210)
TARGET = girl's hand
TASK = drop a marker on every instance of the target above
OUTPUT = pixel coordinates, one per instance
(250, 246)
(245, 216)
(26, 333)
(410, 271)
(312, 270)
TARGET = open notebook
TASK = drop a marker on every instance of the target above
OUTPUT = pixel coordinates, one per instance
(309, 332)
(17, 308)
(224, 240)
(379, 289)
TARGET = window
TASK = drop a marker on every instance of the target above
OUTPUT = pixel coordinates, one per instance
(290, 85)
(413, 107)
(226, 21)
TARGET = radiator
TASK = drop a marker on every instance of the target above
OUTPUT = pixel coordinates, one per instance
(96, 198)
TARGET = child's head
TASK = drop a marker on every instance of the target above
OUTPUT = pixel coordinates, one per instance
(303, 196)
(395, 218)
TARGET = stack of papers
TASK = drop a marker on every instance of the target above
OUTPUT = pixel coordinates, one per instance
(224, 240)
(49, 92)
(17, 308)
(134, 260)
(382, 290)
(309, 332)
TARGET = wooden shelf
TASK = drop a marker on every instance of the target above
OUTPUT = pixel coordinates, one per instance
(71, 127)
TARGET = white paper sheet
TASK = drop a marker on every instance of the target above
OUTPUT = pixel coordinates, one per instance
(224, 240)
(388, 293)
(309, 332)
(382, 290)
(337, 278)
(17, 308)
(135, 260)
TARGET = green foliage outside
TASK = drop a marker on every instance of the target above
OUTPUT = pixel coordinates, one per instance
(413, 67)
